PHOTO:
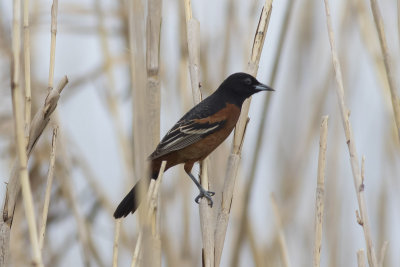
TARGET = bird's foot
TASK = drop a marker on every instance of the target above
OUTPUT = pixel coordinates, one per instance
(206, 194)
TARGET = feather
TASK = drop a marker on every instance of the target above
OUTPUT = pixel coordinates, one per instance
(183, 134)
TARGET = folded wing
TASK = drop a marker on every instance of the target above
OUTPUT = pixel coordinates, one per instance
(185, 133)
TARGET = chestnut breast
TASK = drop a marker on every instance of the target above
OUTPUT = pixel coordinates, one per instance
(204, 147)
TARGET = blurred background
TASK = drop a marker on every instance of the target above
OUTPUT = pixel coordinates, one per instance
(96, 114)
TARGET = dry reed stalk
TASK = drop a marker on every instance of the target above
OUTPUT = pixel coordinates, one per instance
(254, 247)
(206, 216)
(141, 144)
(358, 182)
(115, 246)
(53, 30)
(386, 59)
(150, 227)
(137, 75)
(20, 136)
(42, 116)
(234, 157)
(186, 100)
(382, 209)
(279, 225)
(136, 252)
(206, 220)
(50, 175)
(38, 124)
(370, 41)
(153, 32)
(252, 68)
(383, 253)
(320, 192)
(360, 258)
(153, 104)
(150, 207)
(27, 71)
(261, 134)
(193, 41)
(169, 251)
(111, 94)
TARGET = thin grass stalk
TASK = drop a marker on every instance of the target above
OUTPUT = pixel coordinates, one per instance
(267, 98)
(234, 158)
(20, 136)
(382, 210)
(252, 68)
(360, 258)
(150, 208)
(137, 75)
(38, 124)
(27, 71)
(281, 233)
(141, 143)
(320, 193)
(116, 243)
(252, 239)
(153, 32)
(386, 59)
(151, 226)
(354, 162)
(141, 119)
(206, 220)
(206, 216)
(145, 233)
(53, 30)
(261, 133)
(371, 41)
(185, 244)
(136, 252)
(170, 252)
(383, 253)
(193, 40)
(50, 176)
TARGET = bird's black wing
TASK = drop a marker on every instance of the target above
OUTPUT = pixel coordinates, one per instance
(183, 134)
(193, 126)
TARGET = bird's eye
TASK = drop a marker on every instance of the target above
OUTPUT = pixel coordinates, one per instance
(247, 81)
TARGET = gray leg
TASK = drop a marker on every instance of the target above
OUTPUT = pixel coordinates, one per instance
(203, 192)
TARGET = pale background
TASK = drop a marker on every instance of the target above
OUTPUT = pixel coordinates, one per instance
(287, 164)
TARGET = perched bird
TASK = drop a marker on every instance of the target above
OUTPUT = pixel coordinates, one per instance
(197, 134)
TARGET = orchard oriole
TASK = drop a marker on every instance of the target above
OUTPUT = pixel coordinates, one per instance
(197, 134)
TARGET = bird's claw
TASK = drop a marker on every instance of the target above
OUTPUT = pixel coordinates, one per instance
(206, 194)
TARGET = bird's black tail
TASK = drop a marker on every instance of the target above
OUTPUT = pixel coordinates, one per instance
(131, 202)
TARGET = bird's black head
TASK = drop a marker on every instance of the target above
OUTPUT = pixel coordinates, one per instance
(240, 86)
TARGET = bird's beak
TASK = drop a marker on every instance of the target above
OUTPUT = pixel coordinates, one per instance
(262, 87)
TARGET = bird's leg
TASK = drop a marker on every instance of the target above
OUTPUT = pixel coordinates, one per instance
(203, 192)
